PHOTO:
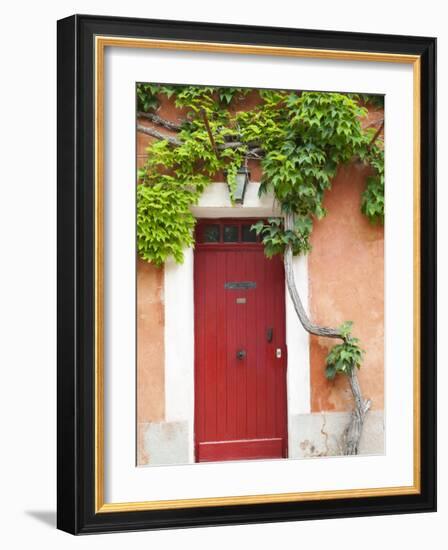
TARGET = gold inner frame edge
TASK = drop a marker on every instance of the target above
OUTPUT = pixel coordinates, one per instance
(101, 42)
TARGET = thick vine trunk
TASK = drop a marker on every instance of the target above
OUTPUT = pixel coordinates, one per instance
(253, 151)
(353, 432)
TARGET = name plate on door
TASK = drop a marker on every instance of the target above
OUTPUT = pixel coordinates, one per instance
(240, 285)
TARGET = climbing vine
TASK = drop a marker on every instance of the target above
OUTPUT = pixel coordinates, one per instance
(300, 139)
(179, 168)
(343, 358)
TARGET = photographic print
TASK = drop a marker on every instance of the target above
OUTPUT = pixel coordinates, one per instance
(260, 274)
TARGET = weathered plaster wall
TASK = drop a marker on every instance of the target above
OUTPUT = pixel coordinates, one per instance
(346, 274)
(322, 434)
(150, 342)
(150, 350)
(151, 334)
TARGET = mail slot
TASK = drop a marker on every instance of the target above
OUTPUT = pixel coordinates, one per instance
(240, 285)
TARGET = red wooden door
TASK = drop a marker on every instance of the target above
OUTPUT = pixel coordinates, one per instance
(240, 351)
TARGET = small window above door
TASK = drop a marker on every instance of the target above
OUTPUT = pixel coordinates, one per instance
(226, 231)
(230, 233)
(248, 234)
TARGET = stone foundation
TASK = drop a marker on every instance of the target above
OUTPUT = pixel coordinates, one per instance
(310, 435)
(163, 443)
(321, 434)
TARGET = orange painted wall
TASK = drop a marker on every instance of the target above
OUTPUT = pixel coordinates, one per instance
(150, 343)
(346, 282)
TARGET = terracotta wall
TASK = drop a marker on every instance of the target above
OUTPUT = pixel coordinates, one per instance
(150, 336)
(150, 343)
(346, 281)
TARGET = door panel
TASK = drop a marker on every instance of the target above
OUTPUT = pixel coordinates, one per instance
(240, 403)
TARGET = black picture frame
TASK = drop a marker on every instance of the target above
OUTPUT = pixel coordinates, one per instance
(76, 286)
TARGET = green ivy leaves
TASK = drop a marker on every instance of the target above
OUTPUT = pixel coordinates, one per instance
(147, 97)
(164, 220)
(346, 356)
(316, 132)
(304, 137)
(275, 238)
(372, 203)
(175, 176)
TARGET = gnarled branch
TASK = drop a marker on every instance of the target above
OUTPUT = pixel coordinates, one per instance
(209, 132)
(297, 302)
(374, 123)
(377, 133)
(158, 135)
(253, 150)
(168, 124)
(294, 293)
(353, 431)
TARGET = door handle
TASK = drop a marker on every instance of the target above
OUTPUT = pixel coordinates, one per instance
(269, 334)
(241, 354)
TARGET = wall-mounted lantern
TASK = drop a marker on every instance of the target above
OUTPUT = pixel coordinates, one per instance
(242, 179)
